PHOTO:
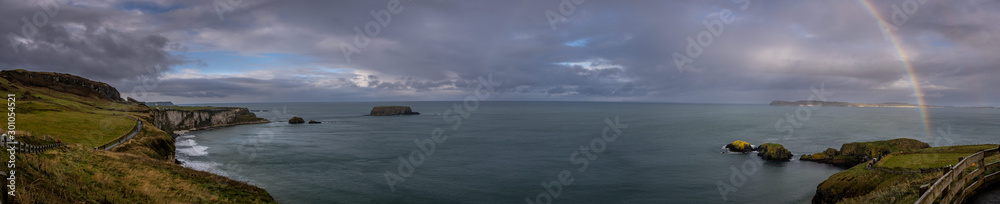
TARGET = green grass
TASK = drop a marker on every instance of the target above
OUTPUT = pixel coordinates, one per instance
(88, 129)
(921, 160)
(140, 170)
(78, 174)
(44, 115)
(860, 185)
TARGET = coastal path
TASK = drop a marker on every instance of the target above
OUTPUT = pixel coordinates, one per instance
(117, 141)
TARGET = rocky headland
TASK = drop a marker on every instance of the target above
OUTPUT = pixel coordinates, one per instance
(82, 114)
(855, 153)
(64, 83)
(168, 119)
(903, 171)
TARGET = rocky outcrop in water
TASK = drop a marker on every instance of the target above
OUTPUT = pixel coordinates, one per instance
(314, 122)
(774, 152)
(296, 120)
(175, 119)
(392, 110)
(739, 146)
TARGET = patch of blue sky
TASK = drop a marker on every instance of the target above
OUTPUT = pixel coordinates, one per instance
(229, 62)
(149, 7)
(578, 43)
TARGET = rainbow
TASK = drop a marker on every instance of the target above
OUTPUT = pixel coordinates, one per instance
(904, 58)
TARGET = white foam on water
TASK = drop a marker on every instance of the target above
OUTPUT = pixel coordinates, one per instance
(193, 151)
(185, 143)
(202, 166)
(186, 136)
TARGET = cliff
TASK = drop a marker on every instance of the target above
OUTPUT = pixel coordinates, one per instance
(82, 114)
(64, 83)
(896, 178)
(169, 120)
(392, 110)
(852, 154)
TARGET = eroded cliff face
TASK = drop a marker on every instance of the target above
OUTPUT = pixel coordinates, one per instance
(63, 83)
(174, 119)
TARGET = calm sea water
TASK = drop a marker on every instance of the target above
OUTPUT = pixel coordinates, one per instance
(504, 151)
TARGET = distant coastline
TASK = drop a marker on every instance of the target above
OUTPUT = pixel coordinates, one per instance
(864, 105)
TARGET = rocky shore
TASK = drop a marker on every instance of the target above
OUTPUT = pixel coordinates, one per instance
(170, 120)
(852, 154)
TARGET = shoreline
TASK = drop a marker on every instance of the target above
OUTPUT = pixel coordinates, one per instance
(177, 133)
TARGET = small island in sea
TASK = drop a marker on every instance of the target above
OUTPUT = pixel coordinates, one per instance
(392, 110)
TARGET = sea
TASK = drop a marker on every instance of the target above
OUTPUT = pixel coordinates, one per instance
(553, 152)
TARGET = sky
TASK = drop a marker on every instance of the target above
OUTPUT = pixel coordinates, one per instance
(718, 51)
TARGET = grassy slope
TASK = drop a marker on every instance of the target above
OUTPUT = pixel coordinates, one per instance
(860, 185)
(70, 118)
(138, 171)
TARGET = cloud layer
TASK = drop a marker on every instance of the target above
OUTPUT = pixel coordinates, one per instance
(539, 50)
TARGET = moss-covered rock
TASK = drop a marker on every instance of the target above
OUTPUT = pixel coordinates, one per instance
(828, 154)
(774, 152)
(314, 122)
(851, 154)
(296, 120)
(739, 146)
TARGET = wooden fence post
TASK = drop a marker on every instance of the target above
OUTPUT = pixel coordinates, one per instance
(3, 198)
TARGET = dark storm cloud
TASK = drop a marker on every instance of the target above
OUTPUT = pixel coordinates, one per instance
(604, 50)
(71, 37)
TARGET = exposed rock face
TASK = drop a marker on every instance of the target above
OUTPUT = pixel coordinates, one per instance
(851, 154)
(63, 83)
(392, 110)
(739, 146)
(774, 152)
(296, 120)
(314, 122)
(173, 119)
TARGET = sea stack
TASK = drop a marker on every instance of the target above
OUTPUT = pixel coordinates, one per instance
(773, 152)
(739, 146)
(392, 110)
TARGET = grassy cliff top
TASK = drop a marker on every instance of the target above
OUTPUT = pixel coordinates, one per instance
(140, 170)
(895, 178)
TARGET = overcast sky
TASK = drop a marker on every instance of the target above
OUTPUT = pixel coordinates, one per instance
(201, 51)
